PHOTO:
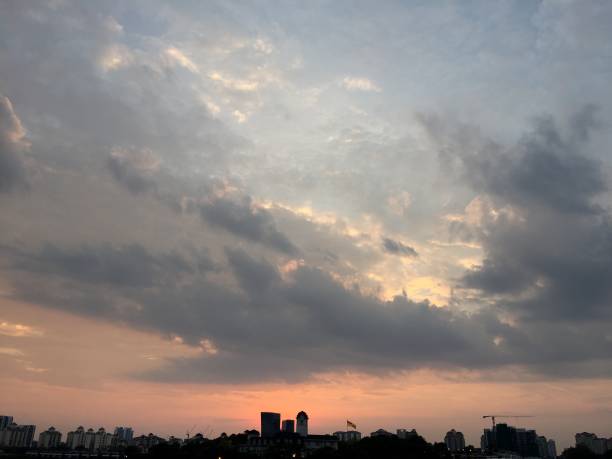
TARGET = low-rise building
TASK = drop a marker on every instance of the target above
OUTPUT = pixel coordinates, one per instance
(405, 433)
(348, 436)
(381, 433)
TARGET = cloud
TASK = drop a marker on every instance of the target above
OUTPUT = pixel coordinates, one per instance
(12, 143)
(128, 265)
(282, 327)
(181, 58)
(134, 169)
(18, 330)
(359, 84)
(10, 351)
(547, 243)
(398, 248)
(246, 220)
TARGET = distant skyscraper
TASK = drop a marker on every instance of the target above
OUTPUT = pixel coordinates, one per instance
(552, 449)
(542, 447)
(288, 426)
(270, 424)
(592, 441)
(454, 440)
(76, 438)
(90, 439)
(5, 421)
(302, 423)
(124, 434)
(49, 439)
(102, 440)
(17, 436)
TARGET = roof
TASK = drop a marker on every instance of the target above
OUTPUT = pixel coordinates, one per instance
(302, 414)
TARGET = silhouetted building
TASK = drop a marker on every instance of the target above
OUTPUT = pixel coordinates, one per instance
(49, 439)
(348, 436)
(288, 426)
(381, 433)
(90, 439)
(542, 447)
(17, 436)
(5, 421)
(455, 441)
(290, 443)
(124, 434)
(593, 442)
(552, 449)
(527, 443)
(76, 438)
(270, 424)
(505, 438)
(405, 433)
(102, 440)
(146, 442)
(302, 423)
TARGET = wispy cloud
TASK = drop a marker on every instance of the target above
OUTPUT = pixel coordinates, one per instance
(359, 84)
(12, 329)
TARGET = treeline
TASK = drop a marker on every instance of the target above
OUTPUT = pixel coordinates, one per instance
(370, 447)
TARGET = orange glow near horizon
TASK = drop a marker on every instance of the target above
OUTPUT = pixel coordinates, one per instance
(430, 401)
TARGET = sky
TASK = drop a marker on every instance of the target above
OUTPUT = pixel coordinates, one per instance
(397, 213)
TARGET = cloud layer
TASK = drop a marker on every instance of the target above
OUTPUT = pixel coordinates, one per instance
(259, 192)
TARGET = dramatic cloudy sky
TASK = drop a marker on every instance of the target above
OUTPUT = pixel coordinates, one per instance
(397, 213)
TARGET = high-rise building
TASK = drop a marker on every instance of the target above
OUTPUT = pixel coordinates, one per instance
(90, 439)
(17, 436)
(302, 423)
(527, 444)
(49, 439)
(542, 447)
(124, 433)
(5, 421)
(288, 426)
(552, 449)
(454, 440)
(592, 441)
(76, 438)
(102, 440)
(270, 424)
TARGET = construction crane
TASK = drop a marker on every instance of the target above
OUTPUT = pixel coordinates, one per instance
(493, 416)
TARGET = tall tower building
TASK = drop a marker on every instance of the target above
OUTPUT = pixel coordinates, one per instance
(454, 440)
(49, 439)
(76, 438)
(302, 424)
(270, 424)
(288, 426)
(5, 421)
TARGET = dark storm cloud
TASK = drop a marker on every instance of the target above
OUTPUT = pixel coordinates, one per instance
(245, 220)
(284, 328)
(12, 170)
(545, 169)
(398, 248)
(547, 241)
(124, 266)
